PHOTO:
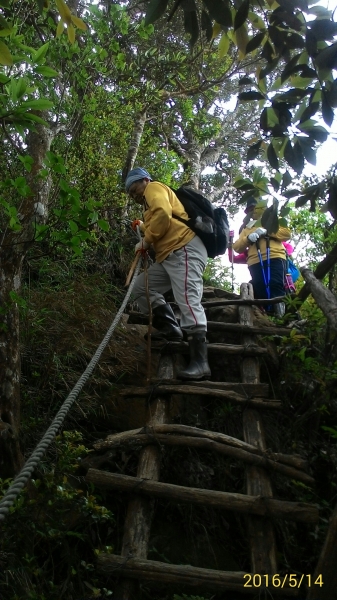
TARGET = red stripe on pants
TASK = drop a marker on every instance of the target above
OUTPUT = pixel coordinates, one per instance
(186, 277)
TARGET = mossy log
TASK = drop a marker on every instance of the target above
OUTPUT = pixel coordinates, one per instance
(210, 445)
(250, 329)
(179, 576)
(200, 391)
(261, 536)
(242, 503)
(250, 390)
(293, 460)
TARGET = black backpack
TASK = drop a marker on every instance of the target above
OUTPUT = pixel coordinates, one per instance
(210, 224)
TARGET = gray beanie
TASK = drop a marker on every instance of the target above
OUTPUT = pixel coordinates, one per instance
(136, 175)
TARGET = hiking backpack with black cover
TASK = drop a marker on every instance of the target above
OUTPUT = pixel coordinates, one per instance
(209, 223)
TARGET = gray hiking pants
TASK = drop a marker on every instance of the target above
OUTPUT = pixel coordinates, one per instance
(182, 272)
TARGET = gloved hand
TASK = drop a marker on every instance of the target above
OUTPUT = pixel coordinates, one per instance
(136, 223)
(259, 232)
(142, 246)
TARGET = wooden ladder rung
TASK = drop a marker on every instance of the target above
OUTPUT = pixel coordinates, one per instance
(242, 503)
(209, 445)
(247, 350)
(255, 390)
(200, 391)
(249, 329)
(185, 575)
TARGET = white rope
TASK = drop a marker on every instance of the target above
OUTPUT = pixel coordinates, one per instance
(21, 479)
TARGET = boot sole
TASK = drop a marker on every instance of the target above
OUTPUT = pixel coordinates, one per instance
(194, 378)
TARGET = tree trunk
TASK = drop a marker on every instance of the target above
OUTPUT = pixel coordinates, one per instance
(134, 142)
(323, 297)
(14, 248)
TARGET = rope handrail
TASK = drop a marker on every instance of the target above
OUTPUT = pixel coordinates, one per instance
(21, 479)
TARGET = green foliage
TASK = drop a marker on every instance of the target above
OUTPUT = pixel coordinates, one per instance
(217, 275)
(56, 520)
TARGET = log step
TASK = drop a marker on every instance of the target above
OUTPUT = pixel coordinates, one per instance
(201, 391)
(136, 318)
(293, 460)
(245, 302)
(242, 503)
(248, 329)
(247, 350)
(253, 390)
(194, 578)
(209, 445)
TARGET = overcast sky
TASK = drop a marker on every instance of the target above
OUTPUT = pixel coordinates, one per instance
(326, 156)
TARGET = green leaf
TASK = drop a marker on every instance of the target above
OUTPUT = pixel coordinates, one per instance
(327, 112)
(269, 219)
(39, 56)
(275, 184)
(308, 151)
(219, 11)
(291, 193)
(255, 42)
(301, 201)
(73, 227)
(286, 180)
(327, 58)
(245, 81)
(4, 78)
(206, 25)
(253, 151)
(223, 45)
(272, 157)
(251, 95)
(46, 71)
(309, 111)
(241, 14)
(5, 55)
(155, 10)
(35, 118)
(317, 133)
(104, 225)
(323, 29)
(40, 104)
(191, 23)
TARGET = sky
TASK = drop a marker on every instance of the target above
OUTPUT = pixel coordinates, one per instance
(326, 156)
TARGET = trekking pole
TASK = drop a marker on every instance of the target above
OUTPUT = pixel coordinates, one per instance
(262, 267)
(268, 265)
(231, 239)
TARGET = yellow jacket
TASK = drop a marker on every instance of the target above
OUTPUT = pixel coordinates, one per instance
(160, 229)
(276, 247)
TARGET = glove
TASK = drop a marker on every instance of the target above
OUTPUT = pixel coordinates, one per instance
(252, 237)
(142, 246)
(136, 223)
(261, 231)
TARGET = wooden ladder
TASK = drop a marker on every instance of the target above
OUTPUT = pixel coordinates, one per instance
(132, 566)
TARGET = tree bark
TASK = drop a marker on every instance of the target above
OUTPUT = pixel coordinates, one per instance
(323, 297)
(134, 142)
(241, 503)
(14, 248)
(261, 532)
(209, 445)
(321, 270)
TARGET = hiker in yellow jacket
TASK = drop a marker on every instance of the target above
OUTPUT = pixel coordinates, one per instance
(181, 258)
(267, 279)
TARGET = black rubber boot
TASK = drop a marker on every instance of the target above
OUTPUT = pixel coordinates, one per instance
(165, 321)
(198, 367)
(279, 310)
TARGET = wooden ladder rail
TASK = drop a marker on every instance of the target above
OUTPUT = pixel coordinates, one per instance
(261, 533)
(140, 509)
